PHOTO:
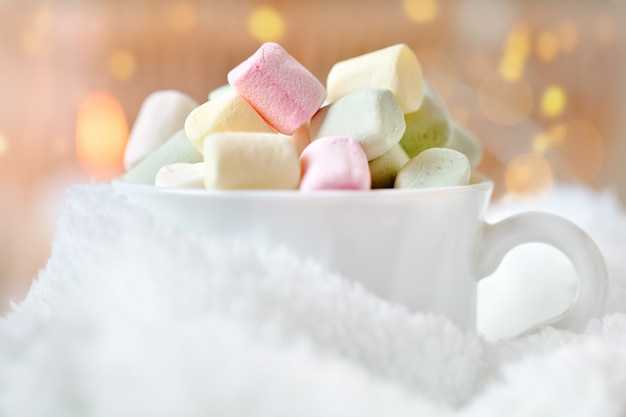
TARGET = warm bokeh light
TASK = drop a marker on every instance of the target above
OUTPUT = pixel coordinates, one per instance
(528, 176)
(568, 36)
(460, 114)
(421, 11)
(516, 49)
(553, 101)
(503, 102)
(604, 28)
(60, 146)
(122, 64)
(266, 24)
(4, 145)
(547, 46)
(541, 143)
(544, 141)
(101, 135)
(182, 17)
(580, 154)
(33, 40)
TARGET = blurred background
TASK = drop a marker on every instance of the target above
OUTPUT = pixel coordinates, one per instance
(542, 84)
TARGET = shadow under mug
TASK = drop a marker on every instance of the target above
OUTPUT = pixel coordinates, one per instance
(424, 248)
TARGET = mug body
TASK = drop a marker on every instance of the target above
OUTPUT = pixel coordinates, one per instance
(415, 247)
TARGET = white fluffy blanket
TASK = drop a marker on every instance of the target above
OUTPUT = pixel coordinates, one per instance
(131, 318)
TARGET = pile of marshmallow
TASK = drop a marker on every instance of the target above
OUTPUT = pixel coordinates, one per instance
(376, 124)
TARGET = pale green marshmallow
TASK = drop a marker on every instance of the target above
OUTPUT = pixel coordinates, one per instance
(385, 168)
(176, 149)
(464, 141)
(435, 167)
(428, 127)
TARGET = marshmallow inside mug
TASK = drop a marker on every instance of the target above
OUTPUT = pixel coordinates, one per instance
(425, 249)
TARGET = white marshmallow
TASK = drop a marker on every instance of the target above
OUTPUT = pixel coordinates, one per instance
(181, 175)
(385, 168)
(161, 115)
(219, 90)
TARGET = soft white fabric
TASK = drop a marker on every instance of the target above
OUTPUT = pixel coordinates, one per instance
(132, 318)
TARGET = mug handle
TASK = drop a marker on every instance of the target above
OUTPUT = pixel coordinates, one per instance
(499, 238)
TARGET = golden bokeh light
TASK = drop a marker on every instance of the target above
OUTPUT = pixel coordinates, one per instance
(542, 142)
(567, 36)
(43, 20)
(32, 43)
(33, 39)
(547, 46)
(4, 144)
(181, 17)
(421, 11)
(512, 66)
(518, 39)
(503, 102)
(579, 155)
(516, 49)
(553, 101)
(101, 135)
(122, 64)
(266, 24)
(528, 176)
(557, 134)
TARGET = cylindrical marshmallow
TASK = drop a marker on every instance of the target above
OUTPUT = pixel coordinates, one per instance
(385, 168)
(245, 160)
(174, 150)
(395, 67)
(181, 175)
(161, 115)
(283, 91)
(435, 167)
(465, 141)
(227, 112)
(334, 163)
(428, 127)
(372, 116)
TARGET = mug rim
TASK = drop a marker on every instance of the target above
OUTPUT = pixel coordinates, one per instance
(478, 183)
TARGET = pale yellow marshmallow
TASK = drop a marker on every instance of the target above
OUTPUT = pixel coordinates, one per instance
(227, 112)
(245, 160)
(181, 175)
(435, 167)
(213, 94)
(395, 67)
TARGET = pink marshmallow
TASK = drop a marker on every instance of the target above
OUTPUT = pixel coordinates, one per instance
(279, 88)
(334, 163)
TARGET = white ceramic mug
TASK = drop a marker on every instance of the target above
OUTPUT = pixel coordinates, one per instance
(424, 248)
